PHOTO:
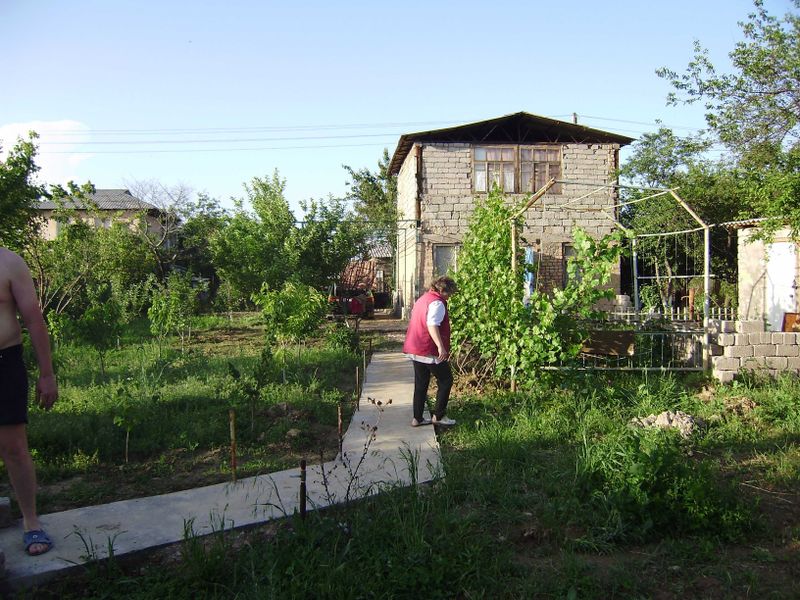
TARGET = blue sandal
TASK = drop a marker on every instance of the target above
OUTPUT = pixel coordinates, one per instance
(36, 536)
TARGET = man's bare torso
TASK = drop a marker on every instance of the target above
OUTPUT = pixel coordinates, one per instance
(10, 331)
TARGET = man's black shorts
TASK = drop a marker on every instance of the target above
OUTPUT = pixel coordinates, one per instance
(13, 387)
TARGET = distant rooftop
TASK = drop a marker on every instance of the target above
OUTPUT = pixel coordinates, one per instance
(107, 200)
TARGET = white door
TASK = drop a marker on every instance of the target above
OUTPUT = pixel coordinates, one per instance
(781, 268)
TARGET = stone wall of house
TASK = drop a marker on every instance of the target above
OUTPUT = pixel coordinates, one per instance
(746, 346)
(407, 280)
(448, 202)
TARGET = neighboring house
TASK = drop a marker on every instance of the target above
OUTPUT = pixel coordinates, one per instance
(440, 173)
(104, 208)
(374, 270)
(769, 275)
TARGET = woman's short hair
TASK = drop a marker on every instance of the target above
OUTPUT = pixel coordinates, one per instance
(444, 285)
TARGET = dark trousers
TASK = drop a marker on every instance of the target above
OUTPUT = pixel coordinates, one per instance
(422, 378)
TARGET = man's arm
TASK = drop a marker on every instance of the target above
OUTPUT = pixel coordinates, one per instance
(24, 293)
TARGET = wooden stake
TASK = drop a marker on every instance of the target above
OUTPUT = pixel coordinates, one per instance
(303, 489)
(339, 416)
(232, 423)
(358, 395)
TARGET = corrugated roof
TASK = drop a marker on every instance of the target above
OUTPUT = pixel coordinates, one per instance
(744, 223)
(115, 199)
(517, 128)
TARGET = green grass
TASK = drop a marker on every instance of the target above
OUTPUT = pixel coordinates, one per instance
(172, 407)
(547, 494)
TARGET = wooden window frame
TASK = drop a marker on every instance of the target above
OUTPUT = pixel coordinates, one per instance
(556, 189)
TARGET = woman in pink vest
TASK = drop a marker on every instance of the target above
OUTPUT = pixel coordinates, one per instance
(428, 346)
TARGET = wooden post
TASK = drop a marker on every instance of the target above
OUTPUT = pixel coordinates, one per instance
(303, 489)
(339, 419)
(232, 424)
(358, 394)
(365, 362)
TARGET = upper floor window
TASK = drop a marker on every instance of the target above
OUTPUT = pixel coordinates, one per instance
(515, 169)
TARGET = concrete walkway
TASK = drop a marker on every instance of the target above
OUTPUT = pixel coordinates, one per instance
(398, 455)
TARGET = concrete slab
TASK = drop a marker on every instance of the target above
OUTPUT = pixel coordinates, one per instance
(371, 460)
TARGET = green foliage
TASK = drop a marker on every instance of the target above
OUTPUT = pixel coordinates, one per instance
(325, 242)
(172, 307)
(374, 197)
(19, 195)
(100, 326)
(252, 249)
(339, 336)
(488, 315)
(753, 111)
(644, 485)
(292, 313)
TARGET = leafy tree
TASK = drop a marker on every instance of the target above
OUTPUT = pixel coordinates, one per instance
(62, 267)
(172, 308)
(19, 195)
(100, 326)
(754, 111)
(374, 197)
(325, 242)
(492, 328)
(252, 249)
(292, 313)
(202, 219)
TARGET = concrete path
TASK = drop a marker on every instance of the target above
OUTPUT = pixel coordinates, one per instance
(397, 455)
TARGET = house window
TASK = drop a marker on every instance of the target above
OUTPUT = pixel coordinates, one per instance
(520, 169)
(495, 165)
(537, 166)
(444, 259)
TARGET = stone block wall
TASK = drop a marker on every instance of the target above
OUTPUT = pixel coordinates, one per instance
(448, 202)
(746, 346)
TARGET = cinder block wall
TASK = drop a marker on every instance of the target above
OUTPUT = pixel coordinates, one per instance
(448, 202)
(746, 346)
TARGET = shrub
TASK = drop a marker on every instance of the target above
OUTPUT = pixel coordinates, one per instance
(643, 484)
(292, 313)
(341, 337)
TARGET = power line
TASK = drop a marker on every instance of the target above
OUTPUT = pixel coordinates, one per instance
(233, 140)
(183, 150)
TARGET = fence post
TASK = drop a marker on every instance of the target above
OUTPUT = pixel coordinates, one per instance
(303, 489)
(232, 426)
(706, 297)
(357, 392)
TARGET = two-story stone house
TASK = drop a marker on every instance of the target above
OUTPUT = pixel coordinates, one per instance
(441, 173)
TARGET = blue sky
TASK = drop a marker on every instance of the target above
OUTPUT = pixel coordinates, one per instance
(211, 94)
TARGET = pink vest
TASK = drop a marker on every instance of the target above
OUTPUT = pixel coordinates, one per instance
(418, 340)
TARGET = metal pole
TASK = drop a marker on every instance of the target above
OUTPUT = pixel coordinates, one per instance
(637, 306)
(706, 297)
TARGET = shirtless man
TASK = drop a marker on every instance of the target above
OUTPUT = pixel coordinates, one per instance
(18, 296)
